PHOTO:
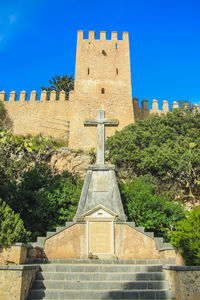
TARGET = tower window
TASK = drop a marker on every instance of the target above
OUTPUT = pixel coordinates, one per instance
(116, 46)
(117, 72)
(103, 91)
(88, 71)
(104, 53)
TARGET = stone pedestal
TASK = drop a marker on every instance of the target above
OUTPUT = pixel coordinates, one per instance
(100, 188)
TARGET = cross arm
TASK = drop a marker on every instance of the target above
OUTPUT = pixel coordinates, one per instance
(110, 122)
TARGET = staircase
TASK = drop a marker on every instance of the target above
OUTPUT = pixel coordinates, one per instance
(101, 279)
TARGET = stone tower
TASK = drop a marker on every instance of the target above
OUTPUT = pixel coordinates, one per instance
(102, 81)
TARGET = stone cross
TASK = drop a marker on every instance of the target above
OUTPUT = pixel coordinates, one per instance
(101, 122)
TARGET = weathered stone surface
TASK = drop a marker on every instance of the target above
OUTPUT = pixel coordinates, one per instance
(184, 281)
(129, 243)
(69, 243)
(100, 237)
(132, 244)
(15, 281)
(101, 122)
(100, 187)
(14, 254)
(66, 159)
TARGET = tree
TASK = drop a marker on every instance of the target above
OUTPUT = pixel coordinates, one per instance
(166, 147)
(43, 199)
(144, 207)
(60, 83)
(12, 229)
(186, 237)
(5, 122)
(186, 105)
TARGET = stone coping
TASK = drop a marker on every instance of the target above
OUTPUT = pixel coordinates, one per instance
(99, 167)
(30, 246)
(19, 267)
(182, 268)
(15, 244)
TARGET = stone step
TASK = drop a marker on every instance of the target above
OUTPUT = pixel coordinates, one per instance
(59, 229)
(99, 268)
(103, 294)
(163, 261)
(99, 285)
(124, 276)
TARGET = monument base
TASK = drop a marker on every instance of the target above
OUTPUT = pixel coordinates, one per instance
(129, 243)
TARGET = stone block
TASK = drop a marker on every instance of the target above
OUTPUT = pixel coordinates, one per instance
(14, 254)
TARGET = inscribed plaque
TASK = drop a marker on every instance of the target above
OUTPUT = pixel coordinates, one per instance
(100, 237)
(100, 182)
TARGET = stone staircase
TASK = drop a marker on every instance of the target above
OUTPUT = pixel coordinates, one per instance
(101, 279)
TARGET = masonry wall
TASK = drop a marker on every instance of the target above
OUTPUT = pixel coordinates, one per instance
(102, 81)
(184, 281)
(15, 281)
(38, 115)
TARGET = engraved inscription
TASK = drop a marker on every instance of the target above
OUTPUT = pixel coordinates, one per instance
(100, 237)
(100, 182)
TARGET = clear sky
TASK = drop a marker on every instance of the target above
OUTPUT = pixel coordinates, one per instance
(38, 41)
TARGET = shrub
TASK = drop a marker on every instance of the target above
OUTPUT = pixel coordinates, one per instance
(166, 147)
(44, 200)
(186, 237)
(145, 208)
(11, 226)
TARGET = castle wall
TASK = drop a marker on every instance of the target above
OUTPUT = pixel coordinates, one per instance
(102, 81)
(50, 118)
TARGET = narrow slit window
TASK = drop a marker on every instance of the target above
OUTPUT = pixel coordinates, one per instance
(88, 71)
(103, 91)
(116, 46)
(117, 72)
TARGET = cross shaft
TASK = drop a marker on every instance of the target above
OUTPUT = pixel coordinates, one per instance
(101, 122)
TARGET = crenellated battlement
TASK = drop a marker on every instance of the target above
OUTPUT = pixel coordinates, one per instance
(102, 35)
(142, 113)
(102, 80)
(34, 96)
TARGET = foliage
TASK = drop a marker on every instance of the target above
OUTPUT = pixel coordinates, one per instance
(44, 200)
(186, 105)
(154, 212)
(60, 83)
(5, 121)
(2, 112)
(187, 237)
(166, 147)
(92, 154)
(18, 152)
(12, 229)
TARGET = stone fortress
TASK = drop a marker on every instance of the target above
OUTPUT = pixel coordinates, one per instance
(99, 255)
(102, 80)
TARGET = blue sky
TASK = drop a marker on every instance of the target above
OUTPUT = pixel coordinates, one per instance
(38, 41)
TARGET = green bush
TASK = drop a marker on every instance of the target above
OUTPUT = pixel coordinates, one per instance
(43, 199)
(11, 226)
(166, 147)
(186, 238)
(155, 212)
